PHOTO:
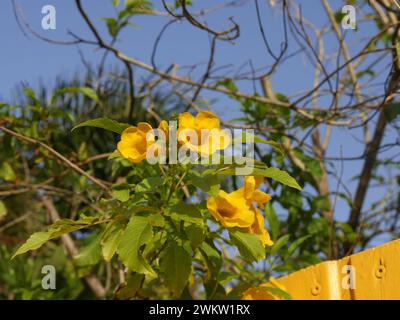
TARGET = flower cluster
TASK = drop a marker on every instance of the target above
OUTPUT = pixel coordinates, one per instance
(201, 134)
(236, 209)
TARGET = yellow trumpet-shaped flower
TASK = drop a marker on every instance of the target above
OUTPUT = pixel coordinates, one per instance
(231, 210)
(202, 133)
(262, 293)
(251, 193)
(135, 141)
(258, 228)
(236, 208)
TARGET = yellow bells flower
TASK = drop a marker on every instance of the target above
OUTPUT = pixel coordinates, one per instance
(163, 126)
(251, 192)
(231, 210)
(261, 293)
(202, 133)
(135, 141)
(258, 228)
(236, 209)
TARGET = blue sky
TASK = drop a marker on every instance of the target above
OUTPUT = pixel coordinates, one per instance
(25, 58)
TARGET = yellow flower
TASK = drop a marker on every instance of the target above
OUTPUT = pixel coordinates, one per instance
(236, 208)
(251, 193)
(231, 210)
(163, 126)
(135, 141)
(261, 293)
(202, 133)
(258, 228)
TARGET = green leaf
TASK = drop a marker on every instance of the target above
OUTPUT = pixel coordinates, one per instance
(115, 154)
(137, 233)
(273, 220)
(7, 172)
(392, 111)
(246, 136)
(132, 286)
(207, 183)
(249, 245)
(112, 26)
(90, 254)
(260, 169)
(278, 175)
(176, 266)
(111, 239)
(323, 203)
(296, 244)
(3, 210)
(228, 84)
(195, 235)
(279, 244)
(121, 195)
(89, 92)
(34, 242)
(277, 292)
(186, 212)
(212, 257)
(104, 123)
(56, 230)
(150, 184)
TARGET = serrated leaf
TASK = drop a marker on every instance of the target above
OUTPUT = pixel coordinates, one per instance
(34, 242)
(137, 233)
(176, 266)
(104, 123)
(279, 244)
(56, 230)
(249, 245)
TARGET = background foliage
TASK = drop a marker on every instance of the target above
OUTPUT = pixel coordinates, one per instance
(354, 90)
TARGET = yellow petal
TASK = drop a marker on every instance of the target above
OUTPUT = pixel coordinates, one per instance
(259, 229)
(186, 120)
(164, 127)
(128, 131)
(261, 198)
(230, 211)
(249, 186)
(207, 120)
(144, 127)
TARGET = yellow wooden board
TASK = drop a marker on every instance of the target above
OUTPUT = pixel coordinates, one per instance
(370, 274)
